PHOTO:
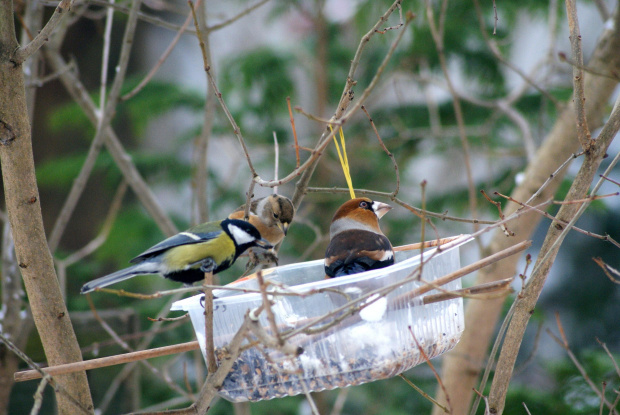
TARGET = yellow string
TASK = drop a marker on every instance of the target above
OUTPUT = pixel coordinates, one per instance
(344, 161)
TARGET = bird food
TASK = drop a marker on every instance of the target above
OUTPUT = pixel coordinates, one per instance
(347, 330)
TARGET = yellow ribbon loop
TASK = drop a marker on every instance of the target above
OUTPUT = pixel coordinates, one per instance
(344, 162)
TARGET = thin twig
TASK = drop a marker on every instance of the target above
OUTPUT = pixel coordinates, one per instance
(611, 273)
(38, 395)
(609, 75)
(563, 341)
(290, 114)
(107, 34)
(161, 59)
(424, 394)
(341, 399)
(552, 176)
(500, 213)
(238, 16)
(122, 8)
(276, 162)
(390, 155)
(267, 307)
(417, 211)
(432, 367)
(492, 44)
(610, 180)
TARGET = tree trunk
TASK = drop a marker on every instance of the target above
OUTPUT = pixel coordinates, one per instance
(24, 210)
(462, 367)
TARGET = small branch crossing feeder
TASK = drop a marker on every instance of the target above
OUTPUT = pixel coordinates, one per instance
(350, 330)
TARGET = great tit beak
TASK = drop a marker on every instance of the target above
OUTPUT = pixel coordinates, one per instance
(283, 227)
(263, 243)
(381, 208)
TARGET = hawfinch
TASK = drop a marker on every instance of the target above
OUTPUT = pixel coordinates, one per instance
(271, 215)
(356, 241)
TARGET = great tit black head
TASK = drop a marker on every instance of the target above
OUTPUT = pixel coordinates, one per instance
(244, 235)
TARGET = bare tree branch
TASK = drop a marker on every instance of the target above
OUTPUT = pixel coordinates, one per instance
(43, 36)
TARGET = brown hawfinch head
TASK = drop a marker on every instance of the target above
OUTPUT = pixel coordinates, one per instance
(275, 210)
(271, 215)
(360, 213)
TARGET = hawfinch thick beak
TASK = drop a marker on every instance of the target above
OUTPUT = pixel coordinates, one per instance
(283, 227)
(263, 243)
(381, 208)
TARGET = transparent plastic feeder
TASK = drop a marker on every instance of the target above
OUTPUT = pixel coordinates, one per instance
(375, 330)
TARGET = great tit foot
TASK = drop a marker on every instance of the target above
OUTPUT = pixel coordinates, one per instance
(207, 265)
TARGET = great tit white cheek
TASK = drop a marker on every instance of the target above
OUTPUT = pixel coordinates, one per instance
(240, 236)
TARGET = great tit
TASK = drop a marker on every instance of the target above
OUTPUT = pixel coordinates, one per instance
(356, 241)
(186, 256)
(271, 215)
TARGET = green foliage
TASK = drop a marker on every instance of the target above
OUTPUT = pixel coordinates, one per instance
(256, 85)
(155, 99)
(59, 173)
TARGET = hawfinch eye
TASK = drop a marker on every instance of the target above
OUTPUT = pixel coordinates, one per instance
(364, 205)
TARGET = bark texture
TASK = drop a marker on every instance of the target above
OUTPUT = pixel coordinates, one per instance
(462, 367)
(24, 210)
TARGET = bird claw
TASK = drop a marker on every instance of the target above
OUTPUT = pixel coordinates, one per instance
(262, 259)
(207, 265)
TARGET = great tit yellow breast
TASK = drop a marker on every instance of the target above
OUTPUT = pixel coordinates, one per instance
(220, 249)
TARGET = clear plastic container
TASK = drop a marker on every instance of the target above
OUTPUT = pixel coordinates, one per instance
(376, 332)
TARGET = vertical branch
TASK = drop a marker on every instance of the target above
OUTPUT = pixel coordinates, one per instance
(320, 62)
(107, 34)
(290, 114)
(209, 346)
(568, 213)
(201, 144)
(32, 22)
(24, 211)
(583, 132)
(276, 162)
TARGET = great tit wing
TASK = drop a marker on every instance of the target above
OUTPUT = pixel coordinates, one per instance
(194, 235)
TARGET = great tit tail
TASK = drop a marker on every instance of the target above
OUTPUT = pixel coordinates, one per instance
(122, 275)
